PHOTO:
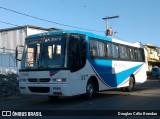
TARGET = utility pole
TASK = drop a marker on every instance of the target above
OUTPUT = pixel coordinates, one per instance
(109, 31)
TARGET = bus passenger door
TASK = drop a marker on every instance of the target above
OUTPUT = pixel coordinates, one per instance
(76, 61)
(76, 52)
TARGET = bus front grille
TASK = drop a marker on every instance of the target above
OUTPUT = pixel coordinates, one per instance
(39, 89)
(39, 79)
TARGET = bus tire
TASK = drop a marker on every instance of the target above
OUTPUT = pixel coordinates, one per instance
(131, 85)
(90, 90)
(123, 89)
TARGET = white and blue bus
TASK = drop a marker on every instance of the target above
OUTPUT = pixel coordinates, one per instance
(68, 63)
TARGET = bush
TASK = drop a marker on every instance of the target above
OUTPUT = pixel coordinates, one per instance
(9, 84)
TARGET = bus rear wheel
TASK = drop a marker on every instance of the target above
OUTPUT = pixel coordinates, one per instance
(131, 85)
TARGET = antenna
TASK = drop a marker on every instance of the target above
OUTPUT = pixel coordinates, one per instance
(109, 31)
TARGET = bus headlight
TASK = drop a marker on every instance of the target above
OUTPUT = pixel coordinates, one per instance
(22, 80)
(59, 80)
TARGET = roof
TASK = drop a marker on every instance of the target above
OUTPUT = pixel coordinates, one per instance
(151, 46)
(68, 31)
(89, 34)
(28, 26)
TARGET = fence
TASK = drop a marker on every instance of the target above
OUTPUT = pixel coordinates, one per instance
(8, 73)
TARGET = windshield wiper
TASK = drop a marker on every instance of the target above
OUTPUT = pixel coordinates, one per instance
(42, 67)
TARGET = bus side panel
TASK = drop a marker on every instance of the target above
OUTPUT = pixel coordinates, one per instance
(115, 74)
(140, 75)
(86, 73)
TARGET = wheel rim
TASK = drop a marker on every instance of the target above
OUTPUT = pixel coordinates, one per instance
(90, 90)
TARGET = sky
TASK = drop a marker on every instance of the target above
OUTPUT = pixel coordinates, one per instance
(138, 19)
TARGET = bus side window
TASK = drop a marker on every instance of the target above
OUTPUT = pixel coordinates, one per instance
(135, 54)
(101, 49)
(93, 48)
(92, 52)
(123, 50)
(126, 52)
(141, 56)
(112, 50)
(109, 49)
(97, 48)
(131, 53)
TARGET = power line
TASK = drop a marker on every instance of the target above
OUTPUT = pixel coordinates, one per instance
(119, 38)
(47, 20)
(19, 26)
(9, 23)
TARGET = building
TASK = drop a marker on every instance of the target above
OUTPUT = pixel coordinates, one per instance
(10, 38)
(153, 56)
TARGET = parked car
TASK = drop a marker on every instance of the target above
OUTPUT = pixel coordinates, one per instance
(155, 72)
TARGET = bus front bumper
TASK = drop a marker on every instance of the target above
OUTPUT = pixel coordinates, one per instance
(45, 89)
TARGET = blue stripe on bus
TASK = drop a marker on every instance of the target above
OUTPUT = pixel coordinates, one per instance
(121, 76)
(104, 70)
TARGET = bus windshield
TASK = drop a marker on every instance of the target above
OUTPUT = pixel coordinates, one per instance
(45, 52)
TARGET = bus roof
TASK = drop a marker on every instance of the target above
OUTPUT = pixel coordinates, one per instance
(66, 32)
(89, 34)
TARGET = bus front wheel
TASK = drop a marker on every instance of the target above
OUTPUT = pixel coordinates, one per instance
(90, 90)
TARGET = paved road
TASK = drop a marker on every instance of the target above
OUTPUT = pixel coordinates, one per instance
(145, 97)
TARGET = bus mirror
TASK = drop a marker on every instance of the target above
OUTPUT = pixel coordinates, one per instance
(19, 51)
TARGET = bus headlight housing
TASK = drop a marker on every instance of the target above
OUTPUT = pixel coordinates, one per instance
(59, 80)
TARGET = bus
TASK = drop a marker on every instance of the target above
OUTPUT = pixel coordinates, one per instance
(71, 62)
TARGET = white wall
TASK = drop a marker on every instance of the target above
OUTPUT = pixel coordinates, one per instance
(31, 31)
(10, 39)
